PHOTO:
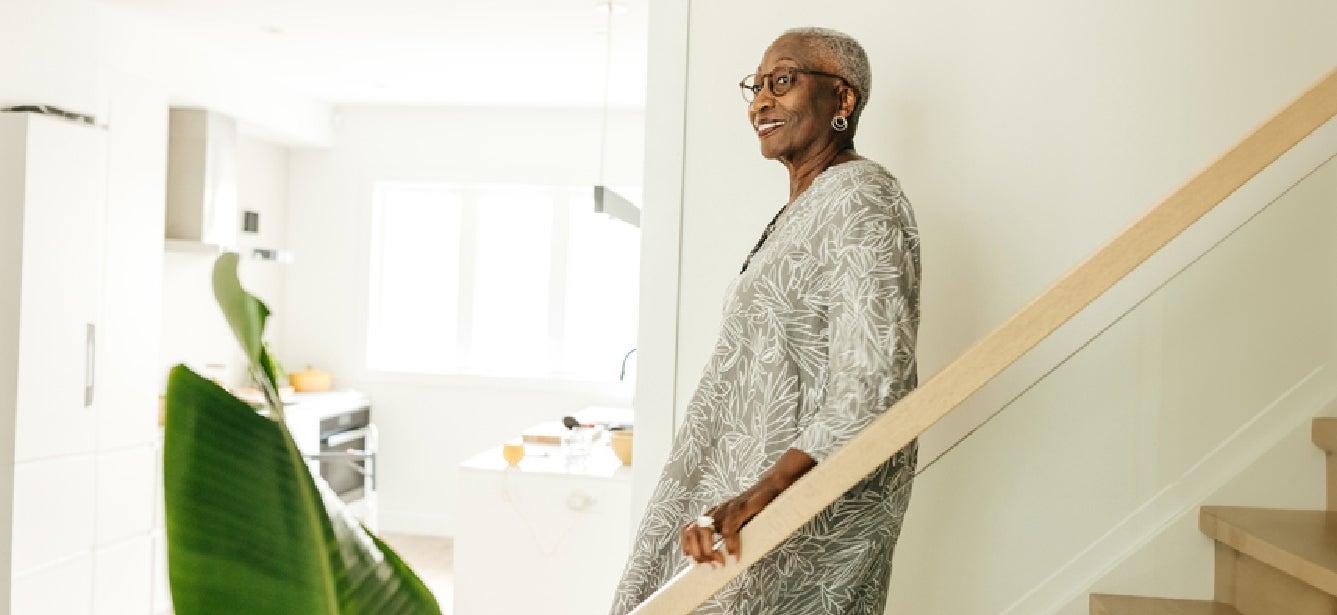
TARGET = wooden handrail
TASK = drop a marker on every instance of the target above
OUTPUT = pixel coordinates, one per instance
(913, 414)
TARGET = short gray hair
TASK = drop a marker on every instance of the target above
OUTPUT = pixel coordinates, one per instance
(851, 60)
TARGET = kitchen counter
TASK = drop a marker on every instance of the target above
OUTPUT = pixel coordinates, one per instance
(310, 405)
(560, 531)
(547, 459)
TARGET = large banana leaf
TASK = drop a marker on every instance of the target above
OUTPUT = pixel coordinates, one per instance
(248, 529)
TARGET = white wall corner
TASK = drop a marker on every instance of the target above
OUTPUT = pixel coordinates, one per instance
(661, 231)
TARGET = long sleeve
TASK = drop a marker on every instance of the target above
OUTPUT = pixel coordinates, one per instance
(870, 273)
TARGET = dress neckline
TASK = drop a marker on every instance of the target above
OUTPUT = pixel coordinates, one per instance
(765, 234)
(830, 171)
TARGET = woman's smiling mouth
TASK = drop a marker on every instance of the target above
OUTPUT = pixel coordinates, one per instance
(764, 129)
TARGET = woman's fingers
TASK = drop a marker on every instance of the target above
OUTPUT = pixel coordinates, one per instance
(705, 538)
(731, 545)
(726, 512)
(707, 535)
(698, 543)
(729, 529)
(691, 545)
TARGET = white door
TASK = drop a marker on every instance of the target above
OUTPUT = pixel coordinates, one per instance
(54, 432)
(62, 271)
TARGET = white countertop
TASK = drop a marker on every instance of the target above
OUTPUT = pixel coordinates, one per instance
(326, 403)
(314, 405)
(546, 459)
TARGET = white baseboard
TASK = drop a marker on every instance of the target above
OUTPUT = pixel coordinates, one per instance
(1308, 398)
(422, 524)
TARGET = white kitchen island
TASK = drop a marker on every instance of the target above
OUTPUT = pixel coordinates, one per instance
(541, 537)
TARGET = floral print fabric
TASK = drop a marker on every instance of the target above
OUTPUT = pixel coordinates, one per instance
(817, 339)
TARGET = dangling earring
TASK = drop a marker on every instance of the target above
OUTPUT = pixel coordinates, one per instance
(840, 123)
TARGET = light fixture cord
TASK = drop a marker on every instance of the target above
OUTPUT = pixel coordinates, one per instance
(608, 61)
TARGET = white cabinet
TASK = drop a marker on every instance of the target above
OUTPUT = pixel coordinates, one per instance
(75, 512)
(52, 183)
(62, 254)
(559, 533)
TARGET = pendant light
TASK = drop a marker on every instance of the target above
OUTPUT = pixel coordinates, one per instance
(605, 199)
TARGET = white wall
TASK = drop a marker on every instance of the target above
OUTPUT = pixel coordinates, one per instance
(58, 52)
(69, 75)
(1158, 414)
(428, 425)
(193, 329)
(93, 58)
(1026, 135)
(192, 74)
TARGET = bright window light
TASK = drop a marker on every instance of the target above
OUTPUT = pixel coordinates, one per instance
(511, 294)
(524, 281)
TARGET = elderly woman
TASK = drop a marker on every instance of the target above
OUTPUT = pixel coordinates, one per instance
(818, 339)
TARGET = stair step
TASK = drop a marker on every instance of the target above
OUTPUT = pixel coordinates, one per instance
(1110, 604)
(1301, 543)
(1325, 434)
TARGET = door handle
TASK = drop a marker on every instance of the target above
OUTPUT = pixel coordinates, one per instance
(90, 360)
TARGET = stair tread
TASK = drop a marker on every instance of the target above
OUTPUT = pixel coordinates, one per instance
(1111, 604)
(1301, 543)
(1325, 434)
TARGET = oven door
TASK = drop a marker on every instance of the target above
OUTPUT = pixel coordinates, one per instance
(346, 462)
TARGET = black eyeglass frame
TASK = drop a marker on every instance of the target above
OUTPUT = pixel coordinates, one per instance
(768, 80)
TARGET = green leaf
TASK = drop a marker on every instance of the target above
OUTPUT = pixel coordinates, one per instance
(248, 529)
(244, 312)
(246, 315)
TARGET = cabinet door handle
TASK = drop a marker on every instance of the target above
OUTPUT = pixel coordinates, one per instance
(90, 356)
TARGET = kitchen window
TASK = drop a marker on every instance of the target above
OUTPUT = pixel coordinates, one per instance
(500, 280)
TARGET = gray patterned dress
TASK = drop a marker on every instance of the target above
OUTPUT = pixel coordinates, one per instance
(817, 339)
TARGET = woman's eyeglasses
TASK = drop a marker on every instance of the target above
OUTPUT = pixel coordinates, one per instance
(780, 81)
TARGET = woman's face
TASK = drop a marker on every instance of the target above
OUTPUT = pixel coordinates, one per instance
(799, 121)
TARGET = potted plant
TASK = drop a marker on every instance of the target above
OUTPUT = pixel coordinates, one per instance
(248, 528)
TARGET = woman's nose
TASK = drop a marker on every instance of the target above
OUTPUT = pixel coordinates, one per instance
(763, 102)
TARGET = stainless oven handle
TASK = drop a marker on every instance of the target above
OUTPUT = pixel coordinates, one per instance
(344, 437)
(350, 454)
(362, 462)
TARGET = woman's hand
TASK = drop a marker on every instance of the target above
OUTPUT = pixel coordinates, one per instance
(730, 516)
(699, 542)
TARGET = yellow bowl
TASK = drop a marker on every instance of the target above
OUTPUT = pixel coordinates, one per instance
(513, 451)
(621, 442)
(310, 380)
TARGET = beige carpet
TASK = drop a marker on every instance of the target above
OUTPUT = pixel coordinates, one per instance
(433, 558)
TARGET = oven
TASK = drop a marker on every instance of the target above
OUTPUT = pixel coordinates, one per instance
(347, 456)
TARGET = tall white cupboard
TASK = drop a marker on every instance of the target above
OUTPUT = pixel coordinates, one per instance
(77, 453)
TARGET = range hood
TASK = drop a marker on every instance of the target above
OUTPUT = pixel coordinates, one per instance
(201, 181)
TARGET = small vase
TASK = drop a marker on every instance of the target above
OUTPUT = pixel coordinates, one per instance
(621, 441)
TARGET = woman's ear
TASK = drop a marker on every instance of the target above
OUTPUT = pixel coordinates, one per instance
(848, 100)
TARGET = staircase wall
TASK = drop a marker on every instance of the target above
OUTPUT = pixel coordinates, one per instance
(1176, 561)
(1025, 135)
(1108, 458)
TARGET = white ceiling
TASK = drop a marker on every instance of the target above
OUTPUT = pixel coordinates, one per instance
(532, 53)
